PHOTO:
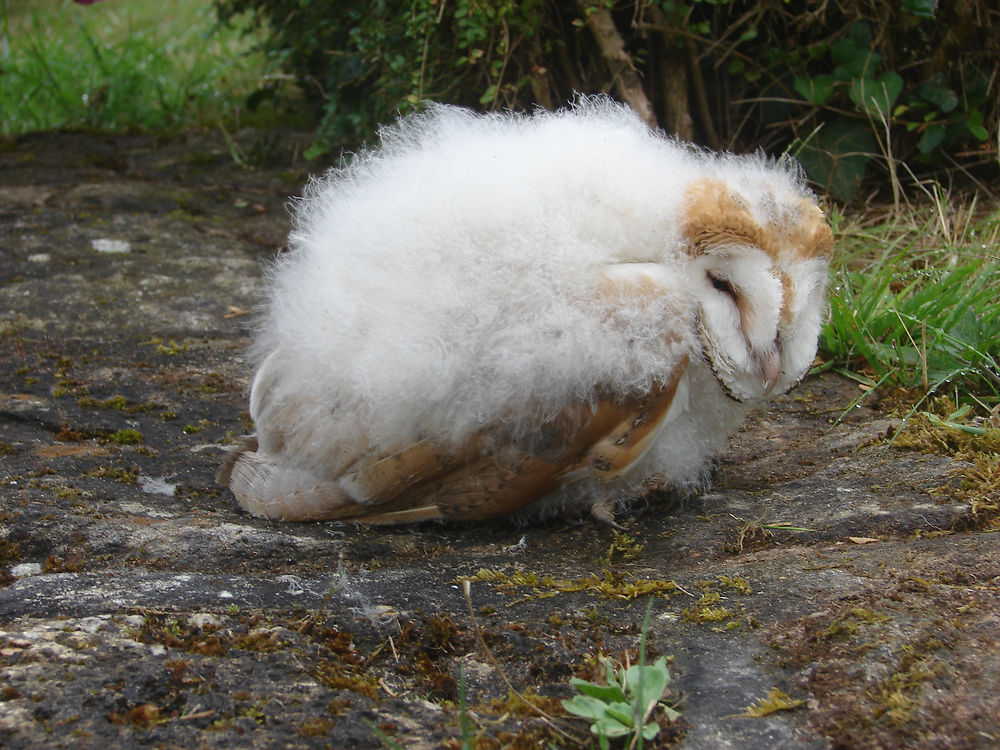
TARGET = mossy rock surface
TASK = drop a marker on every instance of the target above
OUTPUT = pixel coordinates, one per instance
(139, 606)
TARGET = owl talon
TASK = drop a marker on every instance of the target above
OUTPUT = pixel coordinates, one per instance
(603, 511)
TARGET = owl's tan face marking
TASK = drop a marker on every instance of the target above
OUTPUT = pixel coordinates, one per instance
(759, 275)
(786, 297)
(715, 217)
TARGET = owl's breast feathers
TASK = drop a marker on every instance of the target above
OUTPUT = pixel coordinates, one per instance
(491, 475)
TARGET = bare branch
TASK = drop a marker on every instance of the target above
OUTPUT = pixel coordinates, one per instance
(624, 76)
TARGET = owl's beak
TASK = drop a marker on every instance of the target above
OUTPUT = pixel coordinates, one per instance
(770, 368)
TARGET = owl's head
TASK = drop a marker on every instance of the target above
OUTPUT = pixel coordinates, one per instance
(759, 264)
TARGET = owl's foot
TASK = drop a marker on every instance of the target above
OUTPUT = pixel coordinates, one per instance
(603, 511)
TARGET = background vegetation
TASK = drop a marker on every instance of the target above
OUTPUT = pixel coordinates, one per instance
(123, 65)
(914, 308)
(859, 89)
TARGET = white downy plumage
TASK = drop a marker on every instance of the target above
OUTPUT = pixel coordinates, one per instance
(463, 308)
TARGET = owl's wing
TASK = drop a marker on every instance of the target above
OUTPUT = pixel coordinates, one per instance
(492, 474)
(488, 477)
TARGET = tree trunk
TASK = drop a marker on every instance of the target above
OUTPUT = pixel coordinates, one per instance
(539, 76)
(677, 111)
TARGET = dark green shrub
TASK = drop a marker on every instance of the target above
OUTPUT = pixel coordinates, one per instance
(856, 88)
(361, 63)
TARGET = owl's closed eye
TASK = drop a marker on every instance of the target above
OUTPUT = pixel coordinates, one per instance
(489, 316)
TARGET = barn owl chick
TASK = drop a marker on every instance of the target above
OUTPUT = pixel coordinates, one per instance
(509, 314)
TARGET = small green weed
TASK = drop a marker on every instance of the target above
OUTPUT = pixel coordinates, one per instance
(624, 705)
(624, 548)
(468, 741)
(776, 700)
(127, 437)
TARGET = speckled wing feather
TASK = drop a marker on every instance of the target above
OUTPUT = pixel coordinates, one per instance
(473, 482)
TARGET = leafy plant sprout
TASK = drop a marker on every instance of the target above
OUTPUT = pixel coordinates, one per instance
(624, 705)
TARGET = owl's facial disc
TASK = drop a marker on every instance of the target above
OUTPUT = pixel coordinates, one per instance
(757, 320)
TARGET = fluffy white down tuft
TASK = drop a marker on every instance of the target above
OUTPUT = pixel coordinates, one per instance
(451, 278)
